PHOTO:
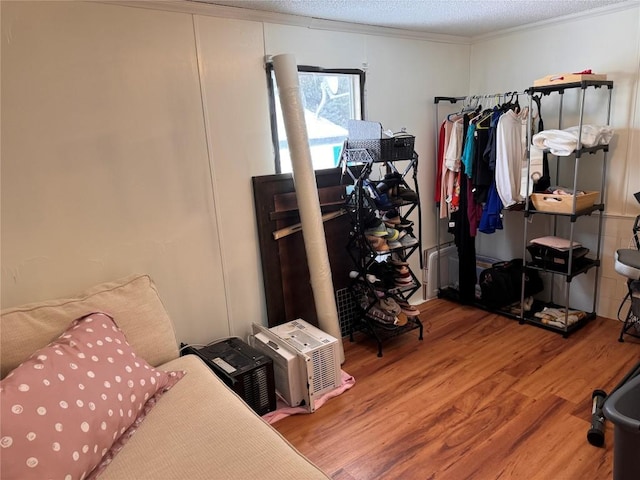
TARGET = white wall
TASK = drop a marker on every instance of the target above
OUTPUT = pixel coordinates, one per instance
(104, 159)
(130, 136)
(606, 43)
(233, 82)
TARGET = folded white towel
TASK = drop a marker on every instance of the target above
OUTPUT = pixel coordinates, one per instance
(593, 135)
(558, 142)
(564, 142)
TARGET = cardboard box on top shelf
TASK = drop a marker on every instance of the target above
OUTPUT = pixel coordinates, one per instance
(562, 78)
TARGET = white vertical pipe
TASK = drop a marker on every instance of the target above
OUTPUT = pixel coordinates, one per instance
(304, 179)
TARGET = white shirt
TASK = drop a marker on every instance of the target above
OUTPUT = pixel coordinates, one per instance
(453, 154)
(510, 156)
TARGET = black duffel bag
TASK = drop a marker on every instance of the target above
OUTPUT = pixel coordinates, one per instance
(501, 284)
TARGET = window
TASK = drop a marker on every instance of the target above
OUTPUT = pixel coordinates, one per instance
(331, 97)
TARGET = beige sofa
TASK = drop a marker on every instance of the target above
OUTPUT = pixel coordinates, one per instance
(197, 429)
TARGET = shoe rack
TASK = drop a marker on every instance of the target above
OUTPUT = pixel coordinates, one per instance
(381, 195)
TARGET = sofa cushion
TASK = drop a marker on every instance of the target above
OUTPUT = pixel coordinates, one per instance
(133, 301)
(63, 408)
(202, 430)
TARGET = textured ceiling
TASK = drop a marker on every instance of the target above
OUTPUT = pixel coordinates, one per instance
(467, 18)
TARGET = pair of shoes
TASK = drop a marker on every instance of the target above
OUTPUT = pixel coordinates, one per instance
(407, 240)
(378, 244)
(394, 244)
(392, 234)
(396, 189)
(376, 313)
(401, 320)
(407, 194)
(404, 240)
(402, 277)
(381, 200)
(387, 312)
(528, 303)
(378, 229)
(392, 219)
(385, 272)
(381, 230)
(389, 184)
(368, 218)
(406, 308)
(389, 305)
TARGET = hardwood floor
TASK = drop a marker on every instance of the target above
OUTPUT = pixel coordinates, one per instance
(481, 397)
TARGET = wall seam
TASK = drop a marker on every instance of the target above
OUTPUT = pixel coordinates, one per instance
(212, 175)
(632, 130)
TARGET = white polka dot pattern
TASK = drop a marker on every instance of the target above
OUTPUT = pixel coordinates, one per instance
(63, 408)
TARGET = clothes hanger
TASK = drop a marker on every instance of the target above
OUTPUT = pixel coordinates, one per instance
(516, 106)
(478, 112)
(455, 115)
(467, 106)
(484, 119)
(506, 106)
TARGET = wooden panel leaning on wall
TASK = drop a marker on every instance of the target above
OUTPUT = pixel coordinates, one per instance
(284, 262)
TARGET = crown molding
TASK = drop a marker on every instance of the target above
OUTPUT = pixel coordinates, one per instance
(196, 7)
(202, 7)
(557, 21)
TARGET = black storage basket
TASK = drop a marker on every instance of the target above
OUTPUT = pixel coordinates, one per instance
(386, 149)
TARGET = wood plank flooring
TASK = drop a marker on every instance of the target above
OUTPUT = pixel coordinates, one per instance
(481, 397)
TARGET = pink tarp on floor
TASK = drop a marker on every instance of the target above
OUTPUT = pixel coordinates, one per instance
(283, 410)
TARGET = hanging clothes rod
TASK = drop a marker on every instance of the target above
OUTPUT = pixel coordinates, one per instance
(478, 97)
(447, 99)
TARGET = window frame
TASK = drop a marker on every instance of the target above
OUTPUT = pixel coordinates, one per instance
(306, 69)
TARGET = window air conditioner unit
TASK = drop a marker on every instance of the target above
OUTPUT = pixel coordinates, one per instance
(306, 360)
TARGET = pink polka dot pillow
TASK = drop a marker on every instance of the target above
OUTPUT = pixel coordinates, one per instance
(64, 407)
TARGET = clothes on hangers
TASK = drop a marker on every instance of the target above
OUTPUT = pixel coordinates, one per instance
(490, 149)
(449, 161)
(439, 158)
(453, 154)
(510, 155)
(482, 169)
(485, 150)
(447, 176)
(482, 175)
(491, 219)
(538, 159)
(460, 226)
(469, 150)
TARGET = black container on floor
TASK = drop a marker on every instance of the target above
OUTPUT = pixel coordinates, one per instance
(622, 408)
(244, 369)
